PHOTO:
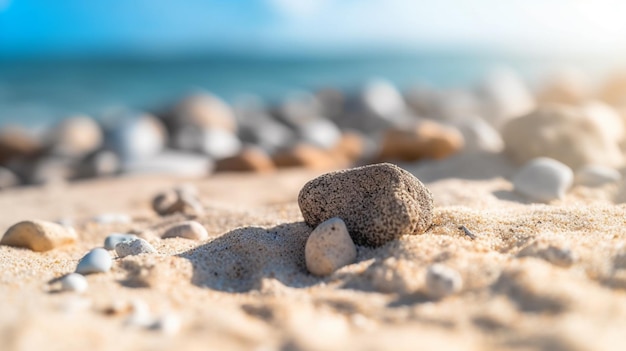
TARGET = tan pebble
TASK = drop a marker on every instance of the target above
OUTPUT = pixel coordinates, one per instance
(38, 235)
(177, 200)
(250, 159)
(425, 140)
(308, 156)
(329, 247)
(188, 230)
(351, 145)
(378, 203)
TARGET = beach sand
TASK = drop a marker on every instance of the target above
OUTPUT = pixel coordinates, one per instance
(247, 287)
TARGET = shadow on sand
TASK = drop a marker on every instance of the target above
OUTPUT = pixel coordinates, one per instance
(241, 259)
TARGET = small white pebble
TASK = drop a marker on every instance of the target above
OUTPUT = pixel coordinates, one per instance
(543, 179)
(74, 282)
(168, 324)
(140, 315)
(134, 247)
(329, 247)
(112, 240)
(188, 230)
(111, 218)
(442, 281)
(595, 175)
(97, 260)
(562, 257)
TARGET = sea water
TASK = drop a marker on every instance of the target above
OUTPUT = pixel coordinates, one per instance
(40, 92)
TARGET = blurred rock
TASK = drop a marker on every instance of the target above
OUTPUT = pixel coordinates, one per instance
(423, 140)
(566, 86)
(249, 159)
(182, 199)
(320, 132)
(607, 118)
(382, 99)
(99, 164)
(216, 143)
(298, 108)
(8, 179)
(308, 156)
(76, 137)
(565, 133)
(16, 142)
(614, 91)
(332, 102)
(354, 146)
(594, 175)
(479, 136)
(136, 136)
(46, 170)
(377, 107)
(266, 133)
(543, 179)
(504, 96)
(172, 163)
(204, 111)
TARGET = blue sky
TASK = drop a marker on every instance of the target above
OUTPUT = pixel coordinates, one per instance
(88, 27)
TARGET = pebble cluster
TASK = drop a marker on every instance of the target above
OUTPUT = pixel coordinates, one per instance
(378, 203)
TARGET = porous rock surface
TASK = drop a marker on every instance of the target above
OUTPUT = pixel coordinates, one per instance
(378, 202)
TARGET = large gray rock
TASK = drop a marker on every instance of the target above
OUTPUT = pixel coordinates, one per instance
(378, 203)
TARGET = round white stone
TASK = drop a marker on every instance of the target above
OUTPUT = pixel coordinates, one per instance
(442, 281)
(543, 179)
(97, 260)
(134, 247)
(329, 247)
(74, 282)
(596, 175)
(112, 240)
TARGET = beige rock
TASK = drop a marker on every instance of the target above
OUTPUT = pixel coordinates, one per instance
(378, 203)
(425, 140)
(38, 235)
(566, 86)
(188, 230)
(564, 133)
(177, 200)
(505, 96)
(329, 247)
(77, 136)
(308, 156)
(249, 159)
(206, 111)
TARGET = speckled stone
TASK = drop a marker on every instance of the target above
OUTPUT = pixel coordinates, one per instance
(442, 281)
(134, 247)
(38, 235)
(329, 247)
(378, 203)
(188, 230)
(97, 260)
